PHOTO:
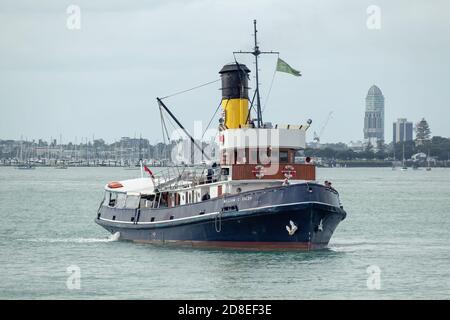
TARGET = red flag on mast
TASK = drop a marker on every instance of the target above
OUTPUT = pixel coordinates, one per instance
(149, 171)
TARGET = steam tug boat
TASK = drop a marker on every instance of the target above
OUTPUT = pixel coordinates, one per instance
(257, 197)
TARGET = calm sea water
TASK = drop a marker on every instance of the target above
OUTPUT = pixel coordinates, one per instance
(397, 221)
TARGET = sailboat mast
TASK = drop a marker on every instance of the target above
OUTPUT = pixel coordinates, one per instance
(403, 160)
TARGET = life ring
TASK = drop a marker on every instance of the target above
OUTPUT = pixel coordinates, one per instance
(115, 185)
(259, 171)
(289, 171)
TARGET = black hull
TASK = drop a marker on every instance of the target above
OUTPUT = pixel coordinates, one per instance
(243, 221)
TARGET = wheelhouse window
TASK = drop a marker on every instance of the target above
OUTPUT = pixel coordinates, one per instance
(121, 199)
(106, 198)
(163, 199)
(147, 201)
(265, 156)
(228, 156)
(225, 171)
(241, 156)
(112, 200)
(253, 156)
(284, 156)
(132, 202)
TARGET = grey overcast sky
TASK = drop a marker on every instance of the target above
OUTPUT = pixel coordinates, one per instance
(102, 80)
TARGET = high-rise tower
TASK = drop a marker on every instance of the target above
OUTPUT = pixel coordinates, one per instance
(402, 131)
(374, 118)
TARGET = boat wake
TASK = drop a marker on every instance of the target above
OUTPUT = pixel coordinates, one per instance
(355, 245)
(111, 238)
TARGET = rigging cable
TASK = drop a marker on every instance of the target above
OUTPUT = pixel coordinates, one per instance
(163, 124)
(212, 118)
(196, 87)
(175, 129)
(240, 76)
(251, 107)
(165, 132)
(242, 87)
(217, 109)
(270, 88)
(254, 94)
(172, 124)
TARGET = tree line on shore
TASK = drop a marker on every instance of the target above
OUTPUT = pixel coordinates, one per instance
(437, 147)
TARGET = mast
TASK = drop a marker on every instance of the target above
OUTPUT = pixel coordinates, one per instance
(140, 155)
(140, 147)
(256, 52)
(403, 161)
(21, 152)
(393, 163)
(60, 147)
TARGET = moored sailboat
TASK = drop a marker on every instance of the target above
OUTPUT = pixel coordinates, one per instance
(393, 162)
(404, 167)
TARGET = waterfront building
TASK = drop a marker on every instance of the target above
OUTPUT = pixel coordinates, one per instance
(402, 130)
(374, 117)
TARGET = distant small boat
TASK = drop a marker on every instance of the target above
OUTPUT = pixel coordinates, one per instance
(26, 167)
(61, 166)
(132, 168)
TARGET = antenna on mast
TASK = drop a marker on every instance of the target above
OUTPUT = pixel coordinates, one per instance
(256, 52)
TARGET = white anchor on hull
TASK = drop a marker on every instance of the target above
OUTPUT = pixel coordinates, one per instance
(292, 229)
(320, 226)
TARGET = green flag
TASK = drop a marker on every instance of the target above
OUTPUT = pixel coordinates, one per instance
(284, 67)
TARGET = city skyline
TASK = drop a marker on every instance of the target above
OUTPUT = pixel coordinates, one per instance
(90, 138)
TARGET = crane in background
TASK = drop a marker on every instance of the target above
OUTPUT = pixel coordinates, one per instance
(316, 138)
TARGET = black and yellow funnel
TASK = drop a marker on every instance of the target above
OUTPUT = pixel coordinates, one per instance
(235, 95)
